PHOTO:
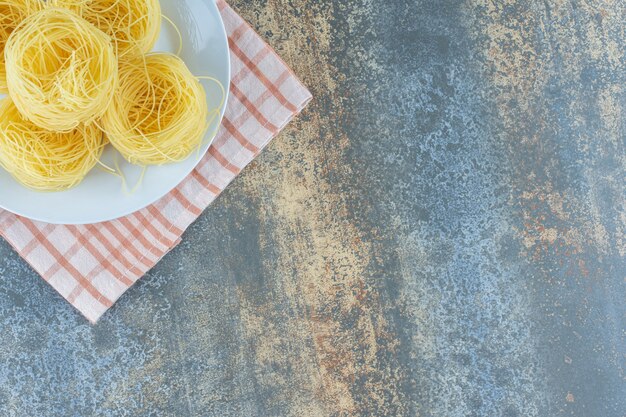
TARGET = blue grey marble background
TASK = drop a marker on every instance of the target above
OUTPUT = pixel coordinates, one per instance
(441, 233)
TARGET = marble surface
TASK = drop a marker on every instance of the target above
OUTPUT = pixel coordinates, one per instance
(441, 233)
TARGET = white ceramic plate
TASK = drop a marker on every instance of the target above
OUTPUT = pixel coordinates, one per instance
(100, 196)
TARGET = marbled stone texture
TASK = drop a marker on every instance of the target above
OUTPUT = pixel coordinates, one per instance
(441, 233)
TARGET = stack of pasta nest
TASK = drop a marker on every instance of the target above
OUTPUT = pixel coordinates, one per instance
(78, 74)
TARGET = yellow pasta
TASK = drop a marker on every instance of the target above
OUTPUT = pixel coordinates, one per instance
(43, 160)
(12, 13)
(79, 75)
(134, 25)
(159, 112)
(61, 70)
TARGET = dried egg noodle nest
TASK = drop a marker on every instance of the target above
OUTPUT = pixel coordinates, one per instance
(159, 111)
(44, 160)
(61, 70)
(134, 25)
(12, 13)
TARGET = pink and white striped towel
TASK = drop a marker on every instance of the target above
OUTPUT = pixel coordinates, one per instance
(91, 266)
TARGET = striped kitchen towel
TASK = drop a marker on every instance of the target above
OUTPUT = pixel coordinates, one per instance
(91, 266)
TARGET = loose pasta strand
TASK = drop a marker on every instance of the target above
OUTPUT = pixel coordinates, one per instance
(180, 35)
(214, 114)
